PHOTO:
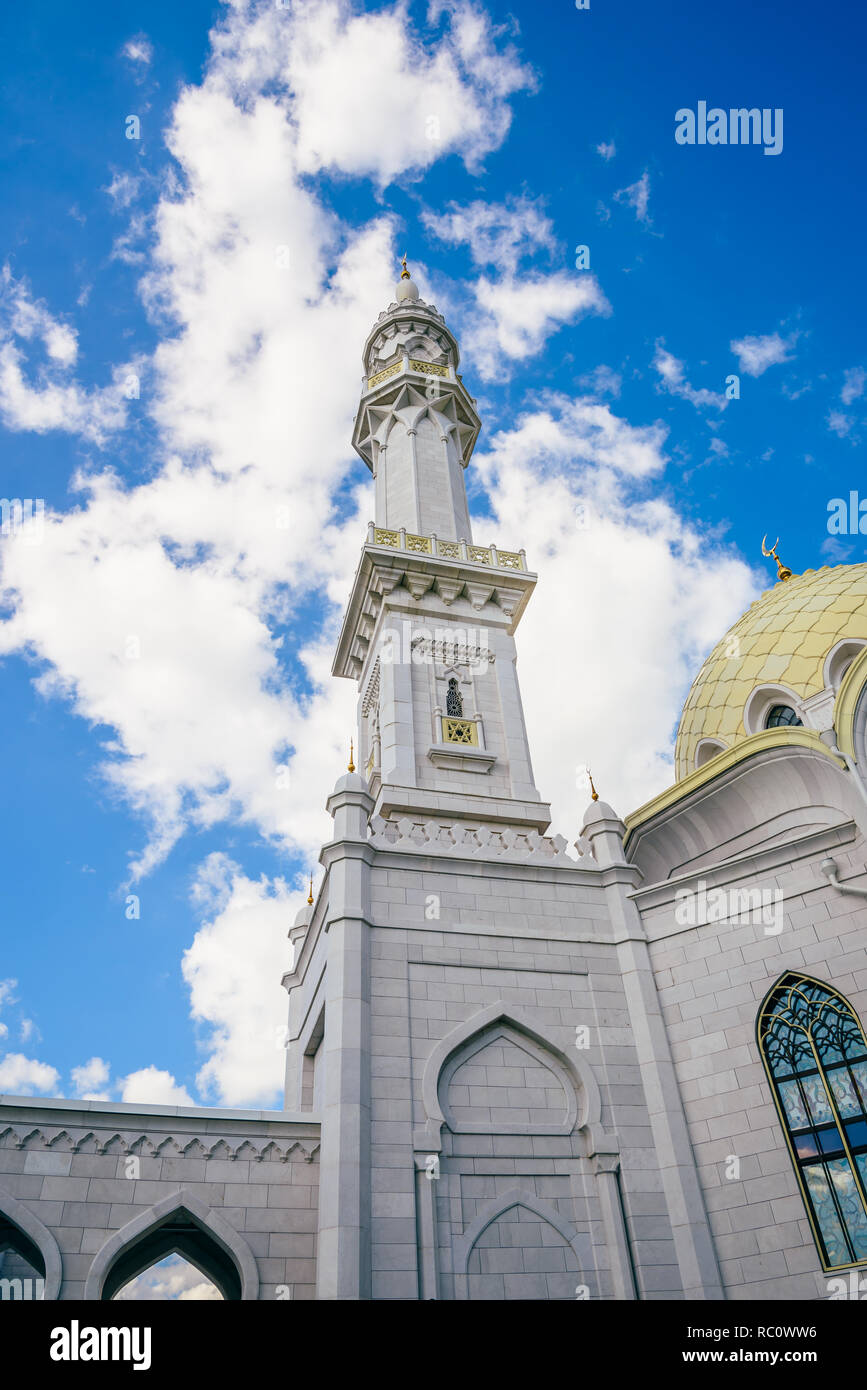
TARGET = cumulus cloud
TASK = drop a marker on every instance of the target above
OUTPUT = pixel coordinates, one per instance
(90, 1081)
(497, 234)
(233, 970)
(451, 97)
(571, 483)
(513, 315)
(150, 1086)
(24, 1076)
(39, 395)
(673, 380)
(756, 353)
(607, 149)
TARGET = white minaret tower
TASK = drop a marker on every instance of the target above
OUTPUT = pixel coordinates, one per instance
(428, 634)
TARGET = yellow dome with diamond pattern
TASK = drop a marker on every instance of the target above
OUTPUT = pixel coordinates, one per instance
(783, 640)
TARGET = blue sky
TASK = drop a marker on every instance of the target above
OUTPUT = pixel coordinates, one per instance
(165, 644)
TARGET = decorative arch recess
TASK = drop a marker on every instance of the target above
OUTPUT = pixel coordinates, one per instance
(179, 1224)
(479, 1031)
(24, 1233)
(576, 1247)
(815, 1055)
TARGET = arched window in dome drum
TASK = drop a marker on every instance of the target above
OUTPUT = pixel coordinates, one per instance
(781, 716)
(815, 1055)
(454, 701)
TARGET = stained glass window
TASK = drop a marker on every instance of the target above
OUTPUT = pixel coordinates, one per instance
(454, 700)
(815, 1054)
(780, 716)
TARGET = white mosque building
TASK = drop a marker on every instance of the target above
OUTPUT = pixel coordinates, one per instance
(629, 1068)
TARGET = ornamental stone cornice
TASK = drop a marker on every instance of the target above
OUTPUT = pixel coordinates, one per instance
(456, 584)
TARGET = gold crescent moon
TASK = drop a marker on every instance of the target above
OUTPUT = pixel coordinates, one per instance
(773, 547)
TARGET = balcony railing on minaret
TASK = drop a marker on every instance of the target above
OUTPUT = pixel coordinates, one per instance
(462, 551)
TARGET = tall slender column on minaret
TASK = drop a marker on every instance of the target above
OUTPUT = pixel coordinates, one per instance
(429, 631)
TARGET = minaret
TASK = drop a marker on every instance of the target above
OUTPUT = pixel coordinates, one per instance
(429, 631)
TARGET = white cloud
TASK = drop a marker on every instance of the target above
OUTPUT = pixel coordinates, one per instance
(172, 1278)
(123, 189)
(23, 1076)
(637, 197)
(607, 149)
(854, 380)
(150, 1086)
(642, 597)
(90, 1081)
(497, 234)
(672, 373)
(233, 969)
(42, 397)
(139, 50)
(4, 1031)
(514, 318)
(450, 97)
(7, 992)
(756, 353)
(602, 381)
(839, 423)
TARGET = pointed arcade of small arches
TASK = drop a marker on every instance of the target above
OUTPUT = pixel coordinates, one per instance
(180, 1224)
(24, 1233)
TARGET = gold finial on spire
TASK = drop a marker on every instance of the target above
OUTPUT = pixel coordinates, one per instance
(404, 274)
(783, 571)
(351, 767)
(594, 793)
(310, 894)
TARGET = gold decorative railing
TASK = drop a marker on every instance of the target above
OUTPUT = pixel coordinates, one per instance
(401, 539)
(384, 375)
(429, 368)
(414, 364)
(460, 731)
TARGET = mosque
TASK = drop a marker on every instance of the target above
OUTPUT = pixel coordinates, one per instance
(628, 1068)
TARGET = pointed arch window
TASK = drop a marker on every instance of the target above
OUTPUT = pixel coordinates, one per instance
(815, 1055)
(454, 701)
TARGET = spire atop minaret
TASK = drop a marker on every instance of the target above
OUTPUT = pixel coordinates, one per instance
(406, 288)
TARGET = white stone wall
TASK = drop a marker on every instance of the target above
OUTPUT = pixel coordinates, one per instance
(712, 980)
(69, 1163)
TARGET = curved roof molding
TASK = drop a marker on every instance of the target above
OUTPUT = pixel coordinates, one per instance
(578, 1074)
(40, 1236)
(777, 785)
(846, 703)
(210, 1221)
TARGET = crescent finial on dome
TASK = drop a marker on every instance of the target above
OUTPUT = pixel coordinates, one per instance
(783, 571)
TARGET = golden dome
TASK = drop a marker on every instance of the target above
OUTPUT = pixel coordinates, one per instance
(782, 641)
